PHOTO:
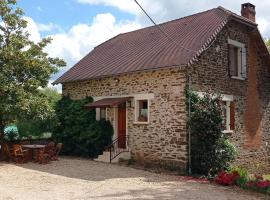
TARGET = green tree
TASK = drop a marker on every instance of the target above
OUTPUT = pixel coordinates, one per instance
(78, 129)
(211, 150)
(38, 126)
(24, 68)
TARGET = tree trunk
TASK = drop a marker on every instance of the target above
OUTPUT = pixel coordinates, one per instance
(2, 128)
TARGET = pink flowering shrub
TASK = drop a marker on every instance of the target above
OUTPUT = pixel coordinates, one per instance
(226, 178)
(243, 180)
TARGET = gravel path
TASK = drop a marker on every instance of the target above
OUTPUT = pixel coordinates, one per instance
(78, 179)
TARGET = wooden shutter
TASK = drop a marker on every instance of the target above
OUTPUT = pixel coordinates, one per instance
(232, 115)
(244, 63)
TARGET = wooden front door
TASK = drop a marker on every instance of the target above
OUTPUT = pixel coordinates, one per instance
(122, 126)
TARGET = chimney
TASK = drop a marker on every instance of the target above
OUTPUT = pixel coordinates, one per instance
(248, 11)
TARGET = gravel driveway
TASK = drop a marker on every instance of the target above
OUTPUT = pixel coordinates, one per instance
(78, 179)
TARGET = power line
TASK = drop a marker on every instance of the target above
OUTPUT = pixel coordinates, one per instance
(166, 35)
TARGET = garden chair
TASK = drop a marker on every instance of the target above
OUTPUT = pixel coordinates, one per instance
(20, 155)
(58, 149)
(8, 152)
(43, 158)
(50, 149)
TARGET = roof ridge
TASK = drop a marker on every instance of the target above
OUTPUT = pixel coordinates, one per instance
(167, 22)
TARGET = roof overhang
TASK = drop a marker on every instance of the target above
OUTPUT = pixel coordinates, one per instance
(108, 102)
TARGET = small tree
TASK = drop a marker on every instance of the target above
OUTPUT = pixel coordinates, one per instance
(24, 68)
(78, 129)
(211, 150)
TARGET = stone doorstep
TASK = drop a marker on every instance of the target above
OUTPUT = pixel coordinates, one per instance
(105, 157)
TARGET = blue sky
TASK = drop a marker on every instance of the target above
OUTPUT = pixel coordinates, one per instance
(77, 26)
(67, 13)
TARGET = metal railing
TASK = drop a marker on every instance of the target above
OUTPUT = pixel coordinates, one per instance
(118, 146)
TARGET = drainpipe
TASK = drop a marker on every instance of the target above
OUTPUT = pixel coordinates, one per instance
(189, 133)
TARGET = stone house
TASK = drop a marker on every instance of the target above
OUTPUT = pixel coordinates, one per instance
(138, 79)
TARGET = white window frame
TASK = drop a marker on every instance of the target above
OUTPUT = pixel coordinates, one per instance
(241, 58)
(228, 117)
(136, 110)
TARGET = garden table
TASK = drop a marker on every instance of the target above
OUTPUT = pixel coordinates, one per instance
(34, 147)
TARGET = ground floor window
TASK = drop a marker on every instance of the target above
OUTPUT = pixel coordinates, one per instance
(229, 115)
(101, 113)
(142, 110)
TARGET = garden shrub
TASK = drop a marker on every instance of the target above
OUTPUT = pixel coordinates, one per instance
(243, 176)
(211, 150)
(78, 129)
(11, 133)
(227, 178)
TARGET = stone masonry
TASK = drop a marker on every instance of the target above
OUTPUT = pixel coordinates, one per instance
(163, 140)
(211, 72)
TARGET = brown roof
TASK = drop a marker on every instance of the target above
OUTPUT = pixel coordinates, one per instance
(107, 102)
(148, 48)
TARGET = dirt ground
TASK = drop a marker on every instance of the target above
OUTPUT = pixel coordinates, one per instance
(78, 179)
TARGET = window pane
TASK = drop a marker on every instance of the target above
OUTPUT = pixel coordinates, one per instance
(233, 60)
(143, 111)
(102, 113)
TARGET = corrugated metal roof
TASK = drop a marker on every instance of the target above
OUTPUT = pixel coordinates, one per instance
(148, 48)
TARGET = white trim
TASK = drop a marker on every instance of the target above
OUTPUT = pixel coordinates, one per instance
(224, 97)
(228, 115)
(136, 106)
(227, 131)
(238, 78)
(236, 43)
(241, 58)
(106, 114)
(97, 114)
(136, 122)
(115, 116)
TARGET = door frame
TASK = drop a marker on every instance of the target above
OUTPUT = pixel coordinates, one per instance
(115, 135)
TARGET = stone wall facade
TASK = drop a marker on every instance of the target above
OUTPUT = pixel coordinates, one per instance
(161, 142)
(252, 117)
(164, 140)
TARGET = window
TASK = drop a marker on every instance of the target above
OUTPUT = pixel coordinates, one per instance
(102, 113)
(142, 111)
(229, 115)
(237, 59)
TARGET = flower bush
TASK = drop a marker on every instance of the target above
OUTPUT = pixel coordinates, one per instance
(239, 176)
(227, 178)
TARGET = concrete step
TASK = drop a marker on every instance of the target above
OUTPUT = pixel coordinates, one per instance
(105, 157)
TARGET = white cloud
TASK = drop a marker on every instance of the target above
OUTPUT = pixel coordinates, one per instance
(124, 5)
(32, 29)
(164, 10)
(80, 39)
(48, 27)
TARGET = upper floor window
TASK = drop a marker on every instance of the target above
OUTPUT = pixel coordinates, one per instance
(237, 60)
